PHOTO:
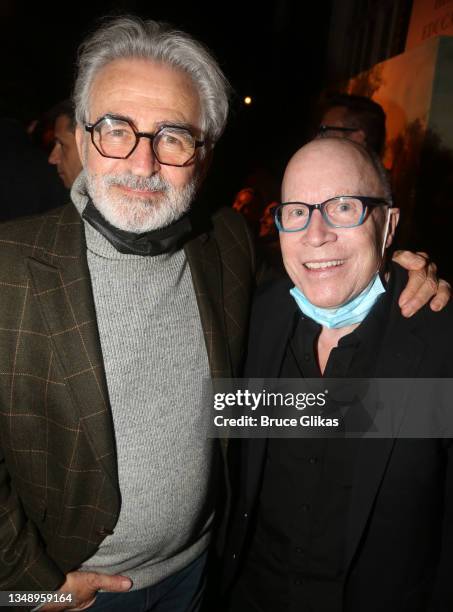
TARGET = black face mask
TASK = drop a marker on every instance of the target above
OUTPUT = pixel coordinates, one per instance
(155, 242)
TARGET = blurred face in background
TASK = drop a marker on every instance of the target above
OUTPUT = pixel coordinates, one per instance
(337, 117)
(64, 154)
(248, 203)
(267, 225)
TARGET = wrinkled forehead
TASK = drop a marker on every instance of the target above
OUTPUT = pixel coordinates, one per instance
(328, 168)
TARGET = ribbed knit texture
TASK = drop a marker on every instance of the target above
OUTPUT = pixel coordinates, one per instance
(155, 358)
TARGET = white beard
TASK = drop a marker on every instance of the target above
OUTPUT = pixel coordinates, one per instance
(138, 214)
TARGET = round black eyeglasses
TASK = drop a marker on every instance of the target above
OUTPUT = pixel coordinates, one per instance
(117, 138)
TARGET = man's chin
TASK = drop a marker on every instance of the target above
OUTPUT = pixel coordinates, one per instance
(140, 212)
(146, 219)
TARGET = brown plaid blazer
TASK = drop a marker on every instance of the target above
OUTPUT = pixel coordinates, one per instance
(59, 493)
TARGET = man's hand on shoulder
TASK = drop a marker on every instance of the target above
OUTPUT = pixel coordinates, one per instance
(84, 587)
(423, 285)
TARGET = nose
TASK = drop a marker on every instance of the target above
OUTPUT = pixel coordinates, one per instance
(143, 160)
(54, 157)
(318, 232)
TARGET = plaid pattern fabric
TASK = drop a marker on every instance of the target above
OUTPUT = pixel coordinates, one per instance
(58, 479)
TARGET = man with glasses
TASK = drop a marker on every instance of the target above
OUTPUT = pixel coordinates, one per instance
(341, 524)
(113, 310)
(357, 118)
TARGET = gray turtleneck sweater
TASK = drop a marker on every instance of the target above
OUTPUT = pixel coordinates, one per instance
(155, 358)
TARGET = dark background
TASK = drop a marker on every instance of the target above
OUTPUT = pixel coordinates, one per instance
(274, 52)
(286, 54)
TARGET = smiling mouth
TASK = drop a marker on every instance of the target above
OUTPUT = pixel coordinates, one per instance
(322, 265)
(143, 192)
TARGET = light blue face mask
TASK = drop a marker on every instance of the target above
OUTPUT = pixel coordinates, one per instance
(349, 313)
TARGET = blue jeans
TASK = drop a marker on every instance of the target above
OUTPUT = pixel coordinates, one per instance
(182, 592)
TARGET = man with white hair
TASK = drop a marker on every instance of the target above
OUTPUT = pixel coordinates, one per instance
(113, 310)
(116, 307)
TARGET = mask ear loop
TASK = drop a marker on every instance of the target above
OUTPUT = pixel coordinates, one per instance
(387, 225)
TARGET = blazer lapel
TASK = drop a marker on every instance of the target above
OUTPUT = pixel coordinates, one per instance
(399, 358)
(268, 341)
(205, 267)
(62, 288)
(271, 327)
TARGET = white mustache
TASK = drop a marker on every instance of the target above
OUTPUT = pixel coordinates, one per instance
(140, 183)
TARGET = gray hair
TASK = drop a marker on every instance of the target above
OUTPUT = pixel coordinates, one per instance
(131, 37)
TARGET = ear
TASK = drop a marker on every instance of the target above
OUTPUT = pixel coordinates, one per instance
(393, 222)
(79, 138)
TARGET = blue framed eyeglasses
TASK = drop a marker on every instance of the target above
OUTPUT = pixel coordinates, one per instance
(340, 212)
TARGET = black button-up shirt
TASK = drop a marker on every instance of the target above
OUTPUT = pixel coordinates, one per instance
(296, 558)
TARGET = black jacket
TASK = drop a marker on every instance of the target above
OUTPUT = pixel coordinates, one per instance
(399, 551)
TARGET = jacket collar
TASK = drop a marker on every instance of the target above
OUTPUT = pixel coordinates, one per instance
(402, 350)
(62, 287)
(399, 358)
